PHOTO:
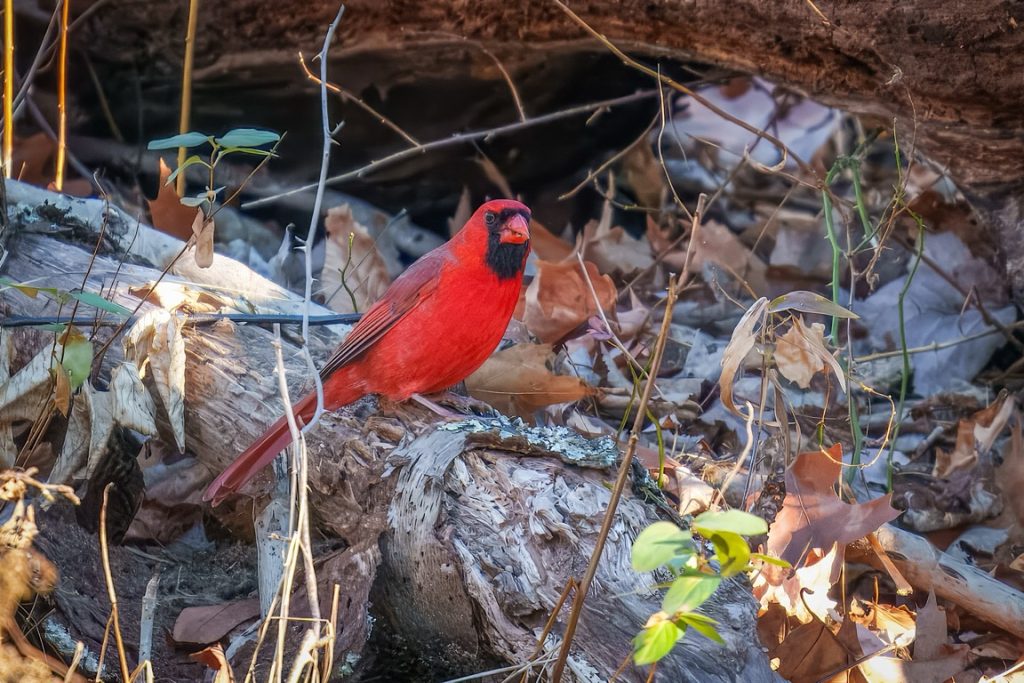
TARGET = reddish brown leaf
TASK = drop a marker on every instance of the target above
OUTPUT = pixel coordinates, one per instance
(813, 516)
(213, 657)
(365, 272)
(167, 212)
(210, 623)
(559, 298)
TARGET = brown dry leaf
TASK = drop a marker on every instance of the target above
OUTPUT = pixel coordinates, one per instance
(931, 635)
(975, 436)
(1011, 472)
(813, 516)
(808, 653)
(742, 341)
(155, 342)
(517, 381)
(612, 249)
(167, 212)
(642, 172)
(896, 622)
(559, 299)
(673, 256)
(463, 212)
(62, 390)
(213, 657)
(31, 157)
(174, 496)
(209, 623)
(175, 295)
(801, 353)
(88, 435)
(721, 249)
(547, 245)
(367, 274)
(22, 395)
(203, 229)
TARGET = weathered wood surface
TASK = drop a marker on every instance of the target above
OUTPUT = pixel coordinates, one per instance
(469, 549)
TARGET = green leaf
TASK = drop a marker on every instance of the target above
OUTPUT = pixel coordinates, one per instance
(687, 593)
(28, 290)
(247, 137)
(733, 521)
(658, 544)
(654, 642)
(93, 299)
(768, 559)
(701, 624)
(809, 302)
(247, 150)
(192, 139)
(77, 359)
(194, 159)
(194, 201)
(732, 551)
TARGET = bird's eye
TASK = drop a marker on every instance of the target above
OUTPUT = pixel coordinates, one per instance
(490, 218)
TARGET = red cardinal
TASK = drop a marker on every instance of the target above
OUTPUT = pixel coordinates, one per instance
(435, 325)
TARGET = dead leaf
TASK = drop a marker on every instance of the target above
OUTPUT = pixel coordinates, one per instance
(720, 249)
(155, 341)
(62, 390)
(801, 353)
(132, 406)
(167, 212)
(990, 421)
(23, 395)
(1011, 472)
(559, 299)
(209, 623)
(547, 245)
(213, 657)
(805, 594)
(813, 516)
(642, 172)
(203, 229)
(612, 249)
(31, 159)
(366, 274)
(963, 456)
(808, 653)
(930, 628)
(517, 381)
(975, 437)
(174, 496)
(740, 345)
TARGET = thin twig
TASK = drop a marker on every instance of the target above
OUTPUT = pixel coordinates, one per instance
(122, 657)
(190, 319)
(347, 96)
(457, 139)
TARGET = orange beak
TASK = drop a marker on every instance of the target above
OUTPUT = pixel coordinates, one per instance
(515, 230)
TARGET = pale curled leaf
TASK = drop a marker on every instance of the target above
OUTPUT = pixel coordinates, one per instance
(612, 249)
(155, 342)
(132, 407)
(203, 230)
(22, 396)
(742, 341)
(801, 353)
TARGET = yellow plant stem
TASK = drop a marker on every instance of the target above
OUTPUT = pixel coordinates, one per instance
(8, 141)
(62, 102)
(186, 87)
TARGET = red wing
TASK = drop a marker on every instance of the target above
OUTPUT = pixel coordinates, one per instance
(402, 297)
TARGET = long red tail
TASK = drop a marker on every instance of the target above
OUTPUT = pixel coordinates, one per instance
(259, 454)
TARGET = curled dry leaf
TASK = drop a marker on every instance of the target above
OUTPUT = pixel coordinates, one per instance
(22, 395)
(88, 434)
(741, 343)
(805, 594)
(167, 212)
(801, 353)
(132, 406)
(155, 341)
(975, 437)
(203, 229)
(612, 249)
(517, 381)
(547, 245)
(365, 271)
(813, 516)
(1011, 474)
(559, 298)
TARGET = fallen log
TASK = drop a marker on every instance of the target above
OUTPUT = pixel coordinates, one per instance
(466, 543)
